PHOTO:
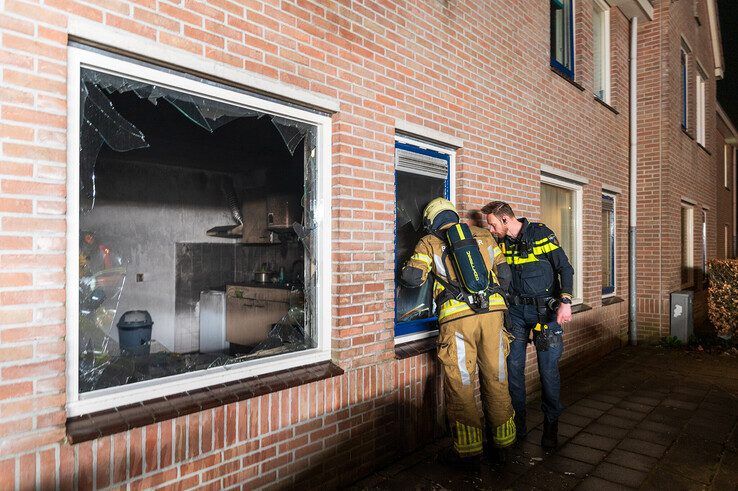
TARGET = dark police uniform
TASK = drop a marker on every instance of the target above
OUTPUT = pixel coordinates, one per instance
(540, 271)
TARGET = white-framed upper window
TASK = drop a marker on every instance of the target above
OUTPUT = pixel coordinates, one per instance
(727, 163)
(601, 49)
(423, 172)
(561, 211)
(700, 107)
(169, 179)
(687, 243)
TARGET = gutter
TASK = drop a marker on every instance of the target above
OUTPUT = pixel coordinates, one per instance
(633, 191)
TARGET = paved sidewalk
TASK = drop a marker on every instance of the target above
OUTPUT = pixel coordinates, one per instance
(648, 418)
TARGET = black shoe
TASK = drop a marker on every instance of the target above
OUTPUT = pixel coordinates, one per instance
(449, 457)
(497, 456)
(550, 438)
(521, 429)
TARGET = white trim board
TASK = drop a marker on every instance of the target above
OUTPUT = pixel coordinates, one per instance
(418, 131)
(118, 40)
(563, 174)
(78, 404)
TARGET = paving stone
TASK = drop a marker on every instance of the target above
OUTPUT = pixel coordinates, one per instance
(694, 458)
(659, 427)
(567, 430)
(575, 419)
(594, 403)
(610, 420)
(593, 483)
(564, 464)
(595, 441)
(631, 460)
(626, 414)
(583, 454)
(642, 447)
(713, 433)
(634, 406)
(666, 479)
(541, 477)
(609, 431)
(648, 401)
(588, 412)
(692, 390)
(652, 436)
(671, 402)
(620, 475)
(605, 398)
(670, 415)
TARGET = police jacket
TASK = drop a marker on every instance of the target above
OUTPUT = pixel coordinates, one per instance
(429, 256)
(539, 265)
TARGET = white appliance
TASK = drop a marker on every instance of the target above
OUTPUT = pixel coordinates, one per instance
(213, 321)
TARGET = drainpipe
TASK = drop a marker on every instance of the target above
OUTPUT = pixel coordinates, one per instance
(633, 192)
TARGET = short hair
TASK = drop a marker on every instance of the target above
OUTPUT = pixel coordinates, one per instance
(498, 209)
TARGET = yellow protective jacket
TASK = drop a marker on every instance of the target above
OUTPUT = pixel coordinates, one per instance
(428, 256)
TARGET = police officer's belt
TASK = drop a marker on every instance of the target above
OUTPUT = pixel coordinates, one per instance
(527, 300)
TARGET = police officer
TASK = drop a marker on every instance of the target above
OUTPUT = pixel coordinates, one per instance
(540, 301)
(468, 339)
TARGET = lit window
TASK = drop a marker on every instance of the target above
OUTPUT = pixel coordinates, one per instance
(608, 244)
(685, 89)
(561, 211)
(687, 241)
(700, 108)
(421, 175)
(562, 36)
(601, 48)
(197, 248)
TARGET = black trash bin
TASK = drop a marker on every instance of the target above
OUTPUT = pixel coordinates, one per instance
(134, 333)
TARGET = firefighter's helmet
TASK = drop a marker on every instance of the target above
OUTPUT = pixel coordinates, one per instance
(435, 208)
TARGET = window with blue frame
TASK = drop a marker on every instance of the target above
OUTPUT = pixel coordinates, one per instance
(608, 244)
(421, 174)
(685, 88)
(562, 36)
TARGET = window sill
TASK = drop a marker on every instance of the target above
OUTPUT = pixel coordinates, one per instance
(704, 148)
(612, 300)
(579, 308)
(118, 419)
(567, 78)
(415, 348)
(608, 106)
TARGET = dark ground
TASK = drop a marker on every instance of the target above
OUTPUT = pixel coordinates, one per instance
(648, 418)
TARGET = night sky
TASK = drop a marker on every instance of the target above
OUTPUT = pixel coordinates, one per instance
(727, 88)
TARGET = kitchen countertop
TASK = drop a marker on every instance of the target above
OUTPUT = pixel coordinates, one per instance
(253, 284)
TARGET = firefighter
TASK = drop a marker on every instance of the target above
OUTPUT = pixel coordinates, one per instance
(469, 337)
(540, 301)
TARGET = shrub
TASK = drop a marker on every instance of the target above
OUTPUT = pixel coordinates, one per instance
(722, 302)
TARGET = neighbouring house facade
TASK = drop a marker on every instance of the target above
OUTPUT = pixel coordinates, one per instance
(725, 147)
(677, 207)
(203, 206)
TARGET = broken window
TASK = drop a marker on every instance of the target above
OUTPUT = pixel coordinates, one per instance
(197, 232)
(421, 175)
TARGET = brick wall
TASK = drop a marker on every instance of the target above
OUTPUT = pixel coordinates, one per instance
(724, 195)
(469, 69)
(672, 166)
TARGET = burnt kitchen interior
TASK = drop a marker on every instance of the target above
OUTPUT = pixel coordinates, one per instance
(194, 244)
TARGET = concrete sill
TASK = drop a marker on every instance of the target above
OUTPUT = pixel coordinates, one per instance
(415, 348)
(705, 149)
(611, 300)
(579, 308)
(566, 77)
(608, 106)
(117, 420)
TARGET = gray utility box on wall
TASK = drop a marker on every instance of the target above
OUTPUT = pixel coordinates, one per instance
(681, 315)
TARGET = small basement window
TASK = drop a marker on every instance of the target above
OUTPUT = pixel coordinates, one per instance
(200, 252)
(422, 173)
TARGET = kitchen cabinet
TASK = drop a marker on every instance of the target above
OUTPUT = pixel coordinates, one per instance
(251, 311)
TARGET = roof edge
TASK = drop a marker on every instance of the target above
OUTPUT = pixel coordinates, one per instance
(717, 41)
(634, 8)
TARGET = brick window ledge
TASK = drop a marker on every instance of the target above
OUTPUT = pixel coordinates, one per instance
(580, 307)
(123, 418)
(612, 300)
(415, 348)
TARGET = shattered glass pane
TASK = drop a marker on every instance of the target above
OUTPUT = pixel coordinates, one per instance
(413, 192)
(154, 179)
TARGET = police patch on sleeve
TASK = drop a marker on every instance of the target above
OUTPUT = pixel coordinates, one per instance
(552, 238)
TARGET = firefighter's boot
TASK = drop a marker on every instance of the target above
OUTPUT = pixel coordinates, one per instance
(550, 437)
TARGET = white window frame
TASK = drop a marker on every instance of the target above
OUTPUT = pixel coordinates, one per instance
(578, 194)
(700, 107)
(451, 152)
(615, 243)
(726, 242)
(604, 9)
(690, 244)
(98, 400)
(727, 154)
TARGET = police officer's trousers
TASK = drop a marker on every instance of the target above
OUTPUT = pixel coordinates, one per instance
(523, 318)
(463, 345)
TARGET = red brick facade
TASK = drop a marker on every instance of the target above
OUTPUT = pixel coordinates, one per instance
(471, 70)
(673, 169)
(725, 185)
